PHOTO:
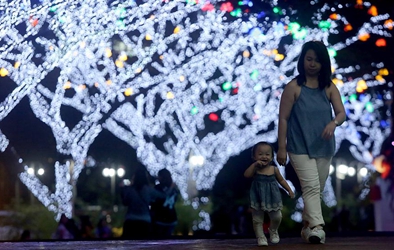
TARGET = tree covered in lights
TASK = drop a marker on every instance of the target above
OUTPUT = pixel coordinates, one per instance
(176, 79)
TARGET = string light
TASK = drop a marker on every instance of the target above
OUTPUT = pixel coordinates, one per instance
(174, 69)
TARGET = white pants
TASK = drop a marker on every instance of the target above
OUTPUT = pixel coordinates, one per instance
(258, 220)
(312, 173)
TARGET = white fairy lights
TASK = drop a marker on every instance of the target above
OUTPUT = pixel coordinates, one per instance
(170, 78)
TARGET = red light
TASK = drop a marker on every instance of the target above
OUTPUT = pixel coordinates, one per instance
(228, 7)
(213, 117)
(208, 7)
(381, 42)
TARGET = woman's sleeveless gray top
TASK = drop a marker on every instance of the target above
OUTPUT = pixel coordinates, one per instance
(309, 116)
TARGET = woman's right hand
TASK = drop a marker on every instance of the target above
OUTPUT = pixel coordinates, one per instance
(281, 157)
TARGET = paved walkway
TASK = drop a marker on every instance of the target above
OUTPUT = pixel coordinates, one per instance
(384, 242)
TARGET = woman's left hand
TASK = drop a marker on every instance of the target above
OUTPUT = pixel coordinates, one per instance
(329, 130)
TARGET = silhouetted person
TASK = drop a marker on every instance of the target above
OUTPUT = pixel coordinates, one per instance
(137, 197)
(344, 219)
(164, 217)
(25, 235)
(63, 231)
(103, 231)
(87, 229)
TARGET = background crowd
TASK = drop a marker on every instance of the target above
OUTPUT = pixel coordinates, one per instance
(150, 211)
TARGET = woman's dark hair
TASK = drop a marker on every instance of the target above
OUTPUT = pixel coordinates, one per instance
(322, 54)
(165, 177)
(262, 143)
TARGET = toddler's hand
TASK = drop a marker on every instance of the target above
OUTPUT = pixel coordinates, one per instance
(258, 164)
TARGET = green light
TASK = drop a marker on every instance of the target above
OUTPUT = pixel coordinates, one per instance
(192, 2)
(120, 23)
(277, 10)
(121, 12)
(226, 86)
(332, 52)
(257, 87)
(239, 12)
(53, 8)
(254, 74)
(194, 110)
(236, 12)
(299, 35)
(353, 97)
(324, 25)
(294, 27)
(369, 107)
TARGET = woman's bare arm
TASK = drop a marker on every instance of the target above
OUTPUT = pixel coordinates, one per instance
(286, 104)
(336, 101)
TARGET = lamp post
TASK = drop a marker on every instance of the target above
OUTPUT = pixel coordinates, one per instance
(32, 171)
(342, 170)
(194, 161)
(112, 173)
(338, 176)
